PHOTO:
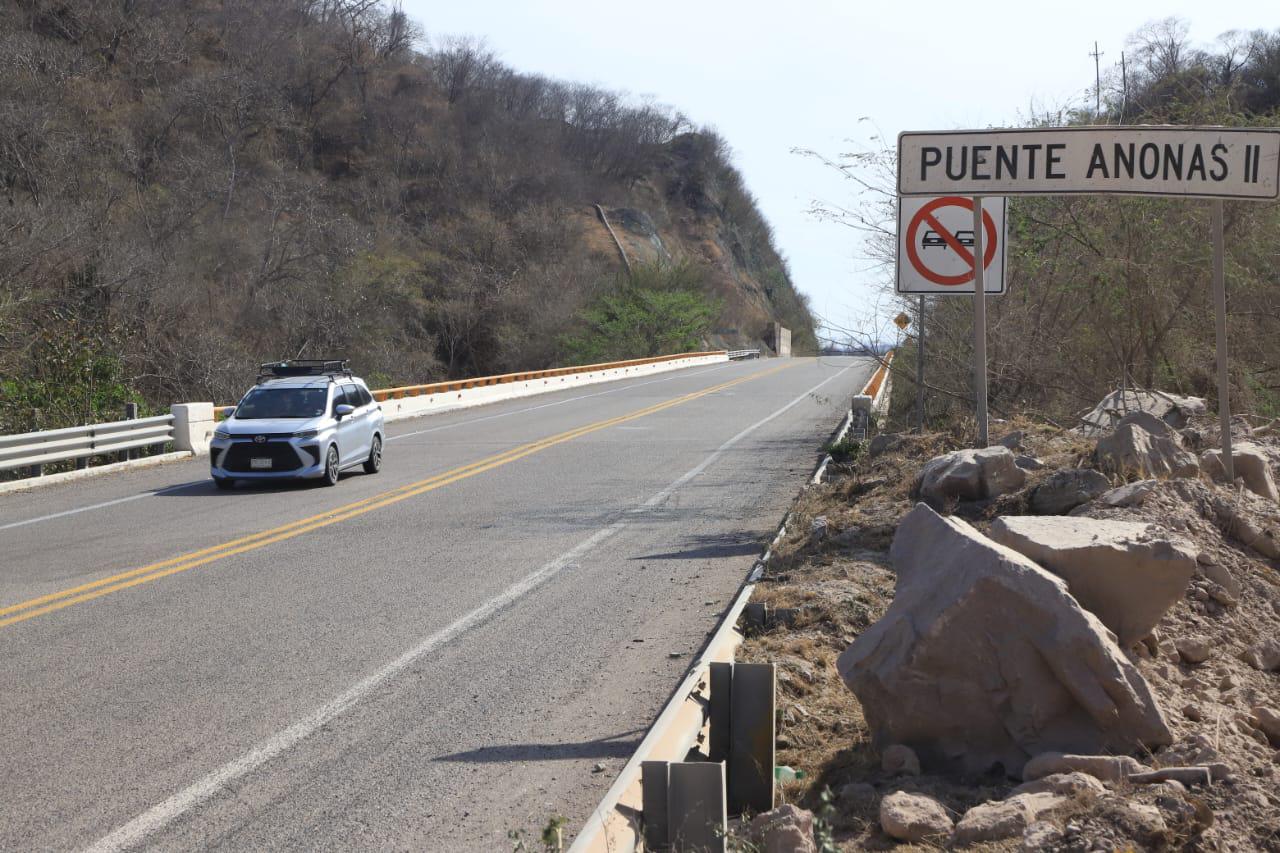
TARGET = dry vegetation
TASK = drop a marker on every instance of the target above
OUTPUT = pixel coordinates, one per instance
(189, 187)
(832, 578)
(1105, 289)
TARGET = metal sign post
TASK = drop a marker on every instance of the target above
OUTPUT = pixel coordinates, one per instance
(920, 368)
(979, 325)
(1220, 324)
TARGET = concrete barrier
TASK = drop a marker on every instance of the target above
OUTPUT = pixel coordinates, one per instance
(414, 401)
(193, 425)
(193, 428)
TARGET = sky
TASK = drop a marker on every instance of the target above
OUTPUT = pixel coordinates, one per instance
(828, 76)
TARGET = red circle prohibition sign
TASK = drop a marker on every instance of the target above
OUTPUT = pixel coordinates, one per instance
(925, 215)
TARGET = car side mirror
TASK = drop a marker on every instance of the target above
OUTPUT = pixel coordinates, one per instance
(342, 410)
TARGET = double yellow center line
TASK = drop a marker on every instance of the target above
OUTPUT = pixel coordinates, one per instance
(34, 607)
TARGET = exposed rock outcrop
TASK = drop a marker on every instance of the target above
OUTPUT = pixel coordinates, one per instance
(985, 659)
(1128, 574)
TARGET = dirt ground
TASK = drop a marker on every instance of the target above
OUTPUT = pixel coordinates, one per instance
(831, 578)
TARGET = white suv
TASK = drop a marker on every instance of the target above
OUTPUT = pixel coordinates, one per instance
(303, 420)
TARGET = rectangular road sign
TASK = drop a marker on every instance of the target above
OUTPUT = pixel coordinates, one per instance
(936, 241)
(1188, 162)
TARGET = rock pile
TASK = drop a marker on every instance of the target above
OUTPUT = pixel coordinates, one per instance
(1114, 645)
(985, 659)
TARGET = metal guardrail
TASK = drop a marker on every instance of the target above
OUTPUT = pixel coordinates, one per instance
(736, 354)
(31, 449)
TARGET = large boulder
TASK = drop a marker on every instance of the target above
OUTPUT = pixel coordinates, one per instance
(1126, 573)
(1144, 445)
(1170, 408)
(1067, 489)
(968, 475)
(986, 659)
(1251, 465)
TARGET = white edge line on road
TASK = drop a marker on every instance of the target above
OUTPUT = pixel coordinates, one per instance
(168, 490)
(161, 815)
(65, 512)
(151, 494)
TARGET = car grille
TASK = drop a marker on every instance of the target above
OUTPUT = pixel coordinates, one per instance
(281, 454)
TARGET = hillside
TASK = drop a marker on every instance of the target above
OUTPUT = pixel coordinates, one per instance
(189, 188)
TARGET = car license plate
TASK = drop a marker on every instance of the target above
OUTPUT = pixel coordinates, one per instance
(258, 463)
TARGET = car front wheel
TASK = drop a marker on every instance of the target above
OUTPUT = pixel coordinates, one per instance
(331, 467)
(374, 463)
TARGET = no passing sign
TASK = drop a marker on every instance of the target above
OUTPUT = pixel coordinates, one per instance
(936, 245)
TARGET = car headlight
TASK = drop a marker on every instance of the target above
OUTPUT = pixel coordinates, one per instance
(221, 433)
(306, 433)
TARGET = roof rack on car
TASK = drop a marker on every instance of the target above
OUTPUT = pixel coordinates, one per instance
(304, 367)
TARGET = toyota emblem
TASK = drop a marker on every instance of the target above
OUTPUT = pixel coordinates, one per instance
(259, 439)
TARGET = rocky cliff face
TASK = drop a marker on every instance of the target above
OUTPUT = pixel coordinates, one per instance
(692, 207)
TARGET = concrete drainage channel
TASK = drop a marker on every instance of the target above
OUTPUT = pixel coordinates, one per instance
(710, 753)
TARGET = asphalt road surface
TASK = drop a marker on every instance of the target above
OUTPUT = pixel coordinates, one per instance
(427, 658)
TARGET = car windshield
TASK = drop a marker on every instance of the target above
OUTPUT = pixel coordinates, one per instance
(262, 403)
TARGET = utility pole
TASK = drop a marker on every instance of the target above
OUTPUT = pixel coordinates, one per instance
(1124, 88)
(1097, 76)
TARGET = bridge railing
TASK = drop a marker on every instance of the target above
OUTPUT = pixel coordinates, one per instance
(33, 449)
(736, 354)
(189, 426)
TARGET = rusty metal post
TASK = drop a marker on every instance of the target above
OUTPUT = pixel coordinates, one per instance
(751, 747)
(696, 811)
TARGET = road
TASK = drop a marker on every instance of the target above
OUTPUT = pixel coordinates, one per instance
(428, 658)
